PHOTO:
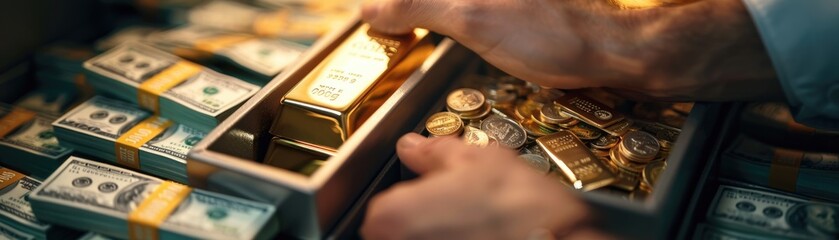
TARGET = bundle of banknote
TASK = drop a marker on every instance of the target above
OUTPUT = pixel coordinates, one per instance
(16, 218)
(59, 66)
(773, 122)
(117, 202)
(101, 126)
(137, 33)
(263, 56)
(49, 100)
(167, 85)
(303, 22)
(751, 212)
(805, 173)
(27, 142)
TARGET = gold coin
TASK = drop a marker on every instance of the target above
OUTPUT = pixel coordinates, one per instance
(623, 163)
(525, 109)
(586, 132)
(475, 137)
(605, 142)
(444, 124)
(550, 114)
(465, 100)
(480, 114)
(651, 172)
(639, 146)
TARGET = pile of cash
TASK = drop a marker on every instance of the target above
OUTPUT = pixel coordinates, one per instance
(263, 56)
(161, 82)
(124, 35)
(28, 143)
(98, 127)
(752, 212)
(60, 66)
(93, 196)
(16, 218)
(560, 132)
(755, 162)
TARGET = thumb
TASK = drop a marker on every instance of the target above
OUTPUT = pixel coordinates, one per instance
(402, 16)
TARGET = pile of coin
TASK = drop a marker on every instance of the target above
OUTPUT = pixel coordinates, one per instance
(560, 132)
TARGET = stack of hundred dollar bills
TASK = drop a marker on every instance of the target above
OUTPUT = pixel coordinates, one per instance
(94, 126)
(31, 147)
(751, 161)
(263, 56)
(93, 196)
(16, 218)
(752, 212)
(203, 99)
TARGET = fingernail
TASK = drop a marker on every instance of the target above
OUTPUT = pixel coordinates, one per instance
(410, 140)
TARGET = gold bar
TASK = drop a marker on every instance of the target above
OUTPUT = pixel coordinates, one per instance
(349, 85)
(294, 156)
(575, 161)
(594, 113)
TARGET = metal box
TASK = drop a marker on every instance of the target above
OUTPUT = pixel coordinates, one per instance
(229, 159)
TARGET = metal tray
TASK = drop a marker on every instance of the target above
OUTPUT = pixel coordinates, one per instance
(658, 216)
(229, 159)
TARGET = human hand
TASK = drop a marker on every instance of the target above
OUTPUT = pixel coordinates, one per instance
(466, 192)
(705, 50)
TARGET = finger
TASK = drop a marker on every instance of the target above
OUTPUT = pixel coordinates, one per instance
(402, 16)
(423, 155)
(588, 234)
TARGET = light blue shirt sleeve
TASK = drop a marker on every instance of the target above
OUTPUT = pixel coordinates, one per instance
(802, 38)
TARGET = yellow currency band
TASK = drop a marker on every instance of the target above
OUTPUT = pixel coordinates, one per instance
(144, 221)
(128, 145)
(149, 91)
(14, 119)
(8, 177)
(783, 172)
(211, 45)
(270, 24)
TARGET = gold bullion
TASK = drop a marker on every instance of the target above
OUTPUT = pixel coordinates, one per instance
(465, 101)
(650, 174)
(509, 133)
(639, 147)
(475, 137)
(349, 85)
(575, 161)
(444, 124)
(295, 156)
(624, 178)
(594, 113)
(586, 132)
(537, 162)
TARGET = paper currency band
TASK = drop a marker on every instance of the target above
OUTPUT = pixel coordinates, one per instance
(783, 172)
(148, 94)
(144, 221)
(8, 177)
(14, 119)
(128, 145)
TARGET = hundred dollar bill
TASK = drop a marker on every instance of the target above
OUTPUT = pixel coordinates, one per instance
(266, 57)
(16, 218)
(10, 233)
(94, 196)
(177, 89)
(709, 232)
(763, 212)
(29, 146)
(806, 173)
(95, 126)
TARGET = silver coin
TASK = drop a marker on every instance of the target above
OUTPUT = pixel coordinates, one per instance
(538, 162)
(509, 133)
